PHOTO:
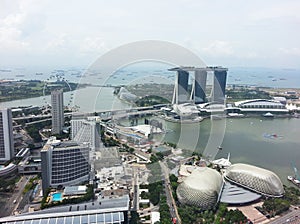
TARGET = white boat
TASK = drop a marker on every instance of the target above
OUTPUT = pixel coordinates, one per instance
(235, 115)
(268, 115)
(294, 180)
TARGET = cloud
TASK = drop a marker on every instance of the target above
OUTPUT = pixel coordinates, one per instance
(58, 43)
(294, 51)
(10, 40)
(47, 30)
(17, 24)
(283, 10)
(219, 48)
(93, 44)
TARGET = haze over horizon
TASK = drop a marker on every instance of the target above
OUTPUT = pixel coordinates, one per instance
(228, 33)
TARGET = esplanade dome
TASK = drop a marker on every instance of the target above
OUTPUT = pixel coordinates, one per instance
(201, 188)
(256, 179)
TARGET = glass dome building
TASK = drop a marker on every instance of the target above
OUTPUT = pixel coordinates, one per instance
(256, 179)
(201, 188)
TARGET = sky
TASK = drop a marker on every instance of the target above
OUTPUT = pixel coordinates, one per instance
(221, 32)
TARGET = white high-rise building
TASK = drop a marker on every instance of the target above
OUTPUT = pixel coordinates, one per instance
(86, 130)
(6, 135)
(64, 163)
(57, 103)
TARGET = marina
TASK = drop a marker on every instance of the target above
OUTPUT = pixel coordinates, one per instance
(270, 143)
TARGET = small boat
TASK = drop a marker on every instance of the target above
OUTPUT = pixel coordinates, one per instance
(272, 136)
(296, 178)
(269, 115)
(235, 115)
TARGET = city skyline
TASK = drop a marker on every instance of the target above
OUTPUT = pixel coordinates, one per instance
(149, 111)
(234, 33)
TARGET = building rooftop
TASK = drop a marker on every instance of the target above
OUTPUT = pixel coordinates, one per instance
(192, 68)
(258, 102)
(73, 190)
(107, 210)
(106, 205)
(68, 218)
(53, 143)
(145, 129)
(233, 194)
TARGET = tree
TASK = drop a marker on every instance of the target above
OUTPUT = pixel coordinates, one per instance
(275, 206)
(160, 156)
(131, 150)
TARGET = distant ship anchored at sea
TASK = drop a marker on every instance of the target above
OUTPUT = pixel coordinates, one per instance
(39, 73)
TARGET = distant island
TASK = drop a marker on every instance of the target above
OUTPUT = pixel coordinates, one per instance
(149, 94)
(23, 89)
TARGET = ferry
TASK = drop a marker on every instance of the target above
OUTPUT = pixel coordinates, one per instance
(296, 178)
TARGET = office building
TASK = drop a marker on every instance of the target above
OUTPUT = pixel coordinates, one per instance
(6, 135)
(64, 163)
(57, 103)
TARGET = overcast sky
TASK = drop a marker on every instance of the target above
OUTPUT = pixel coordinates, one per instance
(74, 33)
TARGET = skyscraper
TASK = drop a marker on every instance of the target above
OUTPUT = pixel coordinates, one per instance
(219, 85)
(181, 86)
(199, 95)
(6, 135)
(57, 103)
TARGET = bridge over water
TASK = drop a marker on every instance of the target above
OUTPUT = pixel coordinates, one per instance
(105, 114)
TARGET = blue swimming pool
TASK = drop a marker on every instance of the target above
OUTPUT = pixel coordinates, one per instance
(56, 197)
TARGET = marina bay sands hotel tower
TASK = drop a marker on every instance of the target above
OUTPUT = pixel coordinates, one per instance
(198, 92)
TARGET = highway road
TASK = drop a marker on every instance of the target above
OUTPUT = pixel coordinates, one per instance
(115, 113)
(292, 217)
(38, 116)
(170, 200)
(10, 206)
(135, 189)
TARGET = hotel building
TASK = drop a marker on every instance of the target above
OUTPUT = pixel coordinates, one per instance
(6, 135)
(57, 104)
(64, 163)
